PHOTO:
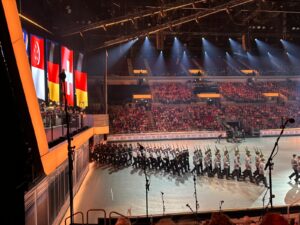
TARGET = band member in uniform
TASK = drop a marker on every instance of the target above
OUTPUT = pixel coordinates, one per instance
(219, 139)
(217, 164)
(294, 163)
(196, 163)
(261, 173)
(208, 162)
(257, 161)
(298, 168)
(200, 160)
(135, 158)
(226, 164)
(248, 167)
(237, 166)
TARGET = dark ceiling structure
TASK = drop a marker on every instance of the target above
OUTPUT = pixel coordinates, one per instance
(100, 24)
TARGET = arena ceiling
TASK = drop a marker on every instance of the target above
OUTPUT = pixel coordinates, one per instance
(99, 24)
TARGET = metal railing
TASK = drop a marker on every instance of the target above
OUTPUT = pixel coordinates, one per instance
(95, 210)
(113, 212)
(55, 126)
(77, 213)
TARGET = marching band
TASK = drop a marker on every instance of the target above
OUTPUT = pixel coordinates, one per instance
(176, 160)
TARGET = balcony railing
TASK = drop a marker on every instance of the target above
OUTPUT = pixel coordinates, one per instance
(55, 124)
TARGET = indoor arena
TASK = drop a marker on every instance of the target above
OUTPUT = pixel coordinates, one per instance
(151, 112)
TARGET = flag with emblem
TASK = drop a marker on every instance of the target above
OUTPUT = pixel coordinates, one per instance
(52, 54)
(38, 65)
(81, 89)
(67, 66)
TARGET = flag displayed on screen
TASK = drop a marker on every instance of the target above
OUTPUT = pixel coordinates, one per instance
(81, 89)
(52, 53)
(67, 65)
(38, 65)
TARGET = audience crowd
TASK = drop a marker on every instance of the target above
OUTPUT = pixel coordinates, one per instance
(186, 117)
(172, 93)
(129, 119)
(174, 108)
(168, 118)
(240, 92)
(253, 91)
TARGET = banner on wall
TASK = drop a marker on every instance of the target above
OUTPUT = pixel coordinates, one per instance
(52, 49)
(38, 65)
(81, 89)
(67, 66)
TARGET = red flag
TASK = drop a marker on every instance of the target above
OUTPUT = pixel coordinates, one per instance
(67, 65)
(38, 65)
(81, 89)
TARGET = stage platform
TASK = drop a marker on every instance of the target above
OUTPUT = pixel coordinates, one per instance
(123, 190)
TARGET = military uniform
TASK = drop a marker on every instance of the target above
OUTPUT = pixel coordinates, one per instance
(226, 165)
(261, 173)
(248, 167)
(237, 166)
(294, 163)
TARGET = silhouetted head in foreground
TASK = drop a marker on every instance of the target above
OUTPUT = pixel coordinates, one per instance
(220, 219)
(123, 221)
(273, 219)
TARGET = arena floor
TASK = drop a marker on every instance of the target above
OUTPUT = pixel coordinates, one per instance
(124, 190)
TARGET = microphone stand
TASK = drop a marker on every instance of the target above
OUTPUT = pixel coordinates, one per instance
(195, 214)
(163, 202)
(62, 77)
(270, 164)
(263, 200)
(220, 206)
(195, 194)
(147, 183)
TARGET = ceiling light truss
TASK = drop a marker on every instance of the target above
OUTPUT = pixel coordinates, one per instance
(129, 18)
(196, 16)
